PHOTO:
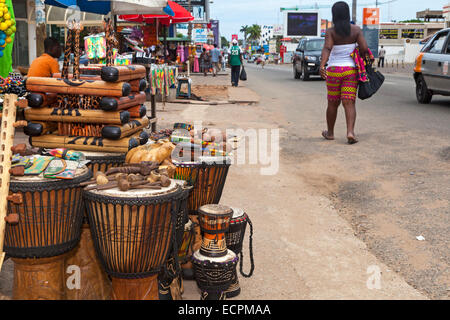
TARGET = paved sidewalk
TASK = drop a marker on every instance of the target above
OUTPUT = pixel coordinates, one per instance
(219, 90)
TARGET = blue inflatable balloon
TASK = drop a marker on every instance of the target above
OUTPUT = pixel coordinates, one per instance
(1, 54)
(2, 42)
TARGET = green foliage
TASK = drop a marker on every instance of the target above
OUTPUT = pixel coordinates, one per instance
(225, 42)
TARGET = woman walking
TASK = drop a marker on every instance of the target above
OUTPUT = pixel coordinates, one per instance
(205, 62)
(341, 73)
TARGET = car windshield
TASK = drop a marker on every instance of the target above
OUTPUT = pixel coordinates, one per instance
(315, 45)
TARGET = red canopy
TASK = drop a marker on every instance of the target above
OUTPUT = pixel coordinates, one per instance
(181, 16)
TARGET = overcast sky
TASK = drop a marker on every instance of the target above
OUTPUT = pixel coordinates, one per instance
(235, 13)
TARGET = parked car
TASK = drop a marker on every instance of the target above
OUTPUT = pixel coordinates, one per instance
(431, 72)
(306, 59)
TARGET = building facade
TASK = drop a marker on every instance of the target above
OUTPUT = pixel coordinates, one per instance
(266, 34)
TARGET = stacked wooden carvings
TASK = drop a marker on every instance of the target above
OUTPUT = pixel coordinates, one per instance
(92, 113)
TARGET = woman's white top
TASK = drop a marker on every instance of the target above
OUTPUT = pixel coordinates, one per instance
(340, 55)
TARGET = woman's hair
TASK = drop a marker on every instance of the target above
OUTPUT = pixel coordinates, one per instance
(341, 18)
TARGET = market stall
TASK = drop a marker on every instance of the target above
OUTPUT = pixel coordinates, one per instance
(100, 205)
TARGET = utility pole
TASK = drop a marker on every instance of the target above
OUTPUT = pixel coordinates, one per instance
(190, 22)
(354, 6)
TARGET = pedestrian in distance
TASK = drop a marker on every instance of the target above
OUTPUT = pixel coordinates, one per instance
(235, 63)
(205, 62)
(341, 72)
(216, 57)
(381, 55)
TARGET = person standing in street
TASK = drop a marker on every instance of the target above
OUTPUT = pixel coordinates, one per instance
(341, 74)
(235, 63)
(215, 59)
(205, 62)
(381, 55)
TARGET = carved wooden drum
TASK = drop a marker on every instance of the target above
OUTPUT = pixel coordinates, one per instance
(133, 233)
(50, 218)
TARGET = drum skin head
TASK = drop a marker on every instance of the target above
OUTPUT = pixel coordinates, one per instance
(237, 212)
(216, 210)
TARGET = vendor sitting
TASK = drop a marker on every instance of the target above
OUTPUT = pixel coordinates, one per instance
(47, 64)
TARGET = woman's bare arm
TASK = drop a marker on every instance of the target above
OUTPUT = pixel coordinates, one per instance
(362, 43)
(328, 45)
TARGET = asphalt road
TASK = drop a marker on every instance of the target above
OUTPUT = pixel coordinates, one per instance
(393, 186)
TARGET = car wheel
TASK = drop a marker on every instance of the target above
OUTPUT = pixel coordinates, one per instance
(305, 74)
(423, 95)
(296, 73)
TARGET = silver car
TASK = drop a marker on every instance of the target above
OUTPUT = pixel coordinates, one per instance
(431, 72)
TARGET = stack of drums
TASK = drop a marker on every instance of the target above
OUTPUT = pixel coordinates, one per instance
(207, 176)
(214, 264)
(133, 234)
(50, 218)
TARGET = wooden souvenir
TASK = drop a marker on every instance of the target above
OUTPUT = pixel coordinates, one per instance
(77, 87)
(77, 115)
(112, 103)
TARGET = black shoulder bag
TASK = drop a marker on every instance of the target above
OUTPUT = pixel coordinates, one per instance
(375, 80)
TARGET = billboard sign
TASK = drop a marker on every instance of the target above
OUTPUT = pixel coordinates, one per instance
(200, 35)
(302, 23)
(215, 30)
(198, 8)
(278, 30)
(371, 16)
(371, 28)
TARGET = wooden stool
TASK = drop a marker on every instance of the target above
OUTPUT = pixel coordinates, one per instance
(187, 81)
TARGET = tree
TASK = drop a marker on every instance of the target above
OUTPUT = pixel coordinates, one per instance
(244, 30)
(225, 42)
(254, 32)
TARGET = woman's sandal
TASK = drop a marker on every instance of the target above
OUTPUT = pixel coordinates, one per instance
(325, 135)
(352, 140)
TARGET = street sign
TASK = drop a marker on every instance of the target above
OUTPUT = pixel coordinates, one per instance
(371, 16)
(371, 28)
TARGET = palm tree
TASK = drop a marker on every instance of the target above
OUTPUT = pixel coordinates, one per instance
(244, 30)
(254, 32)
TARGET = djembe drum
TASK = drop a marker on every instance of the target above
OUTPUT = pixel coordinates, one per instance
(101, 161)
(133, 232)
(94, 283)
(235, 238)
(207, 176)
(213, 262)
(168, 278)
(50, 218)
